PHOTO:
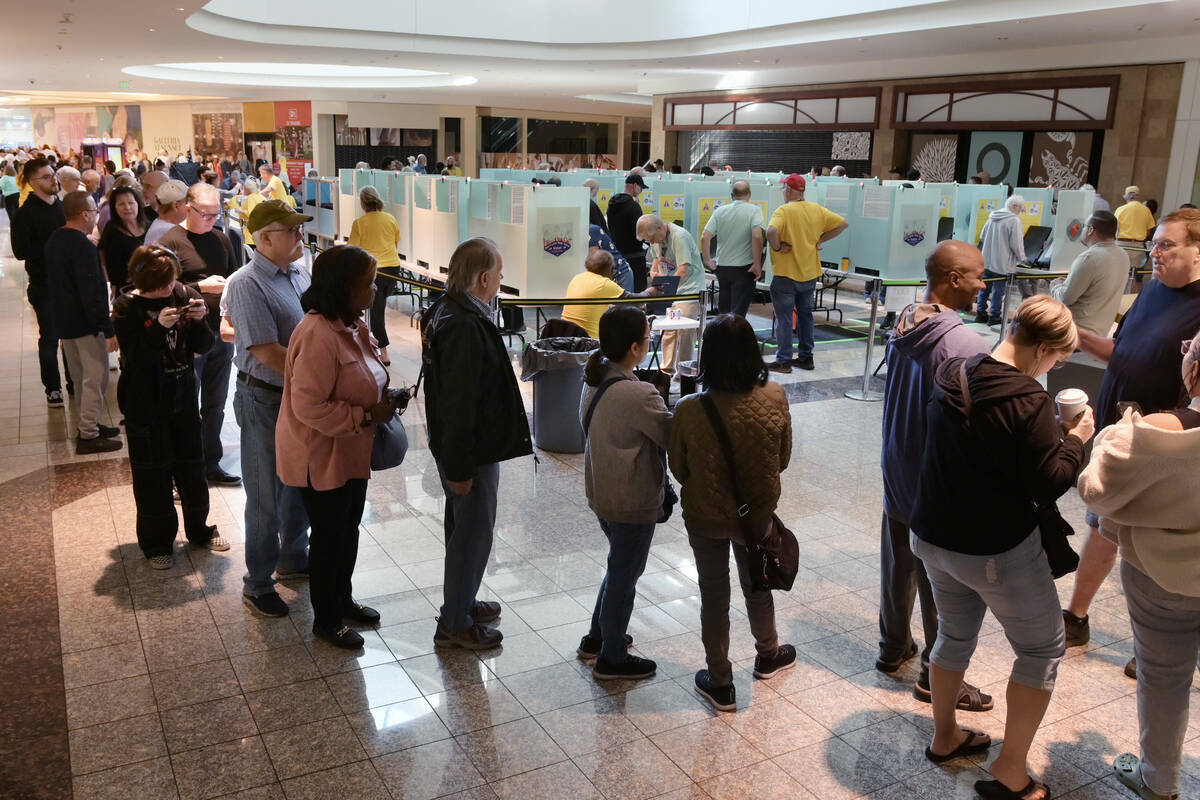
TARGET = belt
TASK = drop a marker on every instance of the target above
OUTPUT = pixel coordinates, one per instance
(250, 380)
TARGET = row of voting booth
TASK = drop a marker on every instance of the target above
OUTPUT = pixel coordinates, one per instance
(542, 230)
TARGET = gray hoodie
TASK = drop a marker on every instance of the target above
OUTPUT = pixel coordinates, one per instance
(1002, 242)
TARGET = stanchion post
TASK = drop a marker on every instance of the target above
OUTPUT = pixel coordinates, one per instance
(866, 393)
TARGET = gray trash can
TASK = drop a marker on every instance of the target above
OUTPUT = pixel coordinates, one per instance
(556, 368)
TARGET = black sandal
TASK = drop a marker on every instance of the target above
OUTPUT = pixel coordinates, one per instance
(995, 790)
(969, 746)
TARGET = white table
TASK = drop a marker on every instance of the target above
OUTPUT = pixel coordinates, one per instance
(662, 324)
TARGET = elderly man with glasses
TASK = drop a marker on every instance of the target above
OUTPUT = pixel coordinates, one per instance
(207, 258)
(262, 302)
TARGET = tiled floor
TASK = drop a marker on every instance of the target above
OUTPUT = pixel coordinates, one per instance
(122, 682)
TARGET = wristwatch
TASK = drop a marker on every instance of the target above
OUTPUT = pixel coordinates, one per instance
(367, 418)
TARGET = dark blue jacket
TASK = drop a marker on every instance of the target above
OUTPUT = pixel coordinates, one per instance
(78, 288)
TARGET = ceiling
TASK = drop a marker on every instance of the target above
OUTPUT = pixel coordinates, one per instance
(544, 54)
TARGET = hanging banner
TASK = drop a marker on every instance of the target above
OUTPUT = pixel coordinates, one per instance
(217, 132)
(293, 137)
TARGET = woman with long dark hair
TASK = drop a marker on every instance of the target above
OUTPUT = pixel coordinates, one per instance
(124, 233)
(627, 426)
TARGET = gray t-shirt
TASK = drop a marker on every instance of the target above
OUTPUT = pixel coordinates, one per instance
(733, 224)
(1094, 285)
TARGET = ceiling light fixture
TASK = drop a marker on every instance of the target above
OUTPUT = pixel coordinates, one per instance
(339, 76)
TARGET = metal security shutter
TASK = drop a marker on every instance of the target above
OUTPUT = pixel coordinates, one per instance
(764, 151)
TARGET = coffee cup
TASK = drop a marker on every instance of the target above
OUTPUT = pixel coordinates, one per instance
(1071, 404)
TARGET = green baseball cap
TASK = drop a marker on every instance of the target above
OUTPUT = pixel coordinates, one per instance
(270, 211)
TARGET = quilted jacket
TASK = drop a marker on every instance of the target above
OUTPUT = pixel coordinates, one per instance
(760, 428)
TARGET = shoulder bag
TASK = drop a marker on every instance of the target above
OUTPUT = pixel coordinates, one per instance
(774, 559)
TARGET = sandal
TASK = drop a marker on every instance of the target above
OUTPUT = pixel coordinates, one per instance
(995, 790)
(1128, 770)
(971, 745)
(970, 698)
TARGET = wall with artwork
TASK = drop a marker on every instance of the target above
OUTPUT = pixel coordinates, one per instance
(1061, 159)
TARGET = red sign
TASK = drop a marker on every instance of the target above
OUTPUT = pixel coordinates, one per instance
(293, 114)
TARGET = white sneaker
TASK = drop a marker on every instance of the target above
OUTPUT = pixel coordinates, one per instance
(217, 544)
(162, 562)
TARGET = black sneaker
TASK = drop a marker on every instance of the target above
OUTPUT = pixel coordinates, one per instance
(485, 611)
(784, 658)
(268, 605)
(219, 477)
(476, 637)
(1131, 668)
(590, 646)
(54, 398)
(890, 665)
(343, 637)
(804, 363)
(363, 615)
(108, 433)
(981, 318)
(632, 668)
(85, 447)
(1079, 632)
(780, 366)
(722, 698)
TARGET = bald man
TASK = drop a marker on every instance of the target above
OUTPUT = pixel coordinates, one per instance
(151, 181)
(596, 216)
(926, 335)
(738, 228)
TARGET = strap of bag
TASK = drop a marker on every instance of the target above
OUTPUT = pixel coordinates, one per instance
(587, 418)
(965, 387)
(743, 509)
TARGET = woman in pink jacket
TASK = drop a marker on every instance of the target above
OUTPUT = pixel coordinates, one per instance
(334, 392)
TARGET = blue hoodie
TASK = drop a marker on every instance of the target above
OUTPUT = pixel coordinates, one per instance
(925, 336)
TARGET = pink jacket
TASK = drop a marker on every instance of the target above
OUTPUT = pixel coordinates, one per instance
(327, 387)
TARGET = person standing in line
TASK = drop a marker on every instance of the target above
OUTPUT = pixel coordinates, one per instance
(796, 232)
(1143, 360)
(124, 233)
(172, 209)
(207, 259)
(595, 215)
(151, 182)
(624, 212)
(759, 425)
(926, 334)
(160, 328)
(262, 301)
(40, 215)
(1134, 221)
(476, 420)
(11, 191)
(738, 226)
(1003, 248)
(377, 232)
(79, 306)
(675, 253)
(628, 428)
(335, 390)
(1096, 280)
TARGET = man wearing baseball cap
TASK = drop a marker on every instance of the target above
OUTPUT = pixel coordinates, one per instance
(624, 211)
(1134, 222)
(796, 232)
(262, 302)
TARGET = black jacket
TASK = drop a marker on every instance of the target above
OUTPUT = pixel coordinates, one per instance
(596, 216)
(473, 406)
(982, 478)
(78, 287)
(34, 223)
(624, 211)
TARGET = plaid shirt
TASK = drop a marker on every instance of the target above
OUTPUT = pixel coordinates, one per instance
(263, 304)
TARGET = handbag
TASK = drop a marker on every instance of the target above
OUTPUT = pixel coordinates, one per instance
(774, 559)
(1053, 528)
(669, 496)
(390, 445)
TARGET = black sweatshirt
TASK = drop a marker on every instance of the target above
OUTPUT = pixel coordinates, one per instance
(78, 288)
(34, 223)
(982, 478)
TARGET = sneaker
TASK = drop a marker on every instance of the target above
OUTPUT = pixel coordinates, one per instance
(219, 477)
(162, 562)
(268, 605)
(632, 668)
(108, 433)
(216, 542)
(981, 318)
(780, 366)
(476, 637)
(342, 636)
(722, 698)
(1079, 632)
(784, 658)
(590, 646)
(54, 399)
(805, 363)
(85, 447)
(485, 611)
(292, 574)
(363, 615)
(1131, 668)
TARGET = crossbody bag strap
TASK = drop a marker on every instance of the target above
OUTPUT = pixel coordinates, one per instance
(743, 509)
(587, 418)
(965, 387)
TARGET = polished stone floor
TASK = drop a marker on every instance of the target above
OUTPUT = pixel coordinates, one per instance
(122, 682)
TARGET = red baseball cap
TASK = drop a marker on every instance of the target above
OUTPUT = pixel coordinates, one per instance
(794, 181)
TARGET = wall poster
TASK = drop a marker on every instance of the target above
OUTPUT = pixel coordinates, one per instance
(996, 152)
(217, 131)
(293, 138)
(1060, 159)
(934, 156)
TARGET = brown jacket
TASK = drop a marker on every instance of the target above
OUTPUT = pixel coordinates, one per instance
(760, 428)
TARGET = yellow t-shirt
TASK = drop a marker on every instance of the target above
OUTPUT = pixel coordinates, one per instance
(26, 190)
(800, 224)
(280, 192)
(248, 204)
(378, 233)
(1134, 221)
(589, 285)
(456, 171)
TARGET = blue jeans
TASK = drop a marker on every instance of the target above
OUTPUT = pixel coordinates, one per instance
(212, 373)
(470, 520)
(276, 522)
(996, 291)
(628, 547)
(788, 295)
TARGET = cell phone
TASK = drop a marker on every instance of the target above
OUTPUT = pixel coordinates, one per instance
(400, 396)
(1125, 405)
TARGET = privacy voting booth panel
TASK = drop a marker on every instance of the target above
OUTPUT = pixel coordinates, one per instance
(439, 219)
(894, 230)
(321, 203)
(399, 205)
(670, 198)
(972, 206)
(1074, 208)
(557, 231)
(1038, 203)
(834, 194)
(350, 182)
(498, 210)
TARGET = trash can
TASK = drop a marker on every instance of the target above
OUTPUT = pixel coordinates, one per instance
(688, 372)
(555, 366)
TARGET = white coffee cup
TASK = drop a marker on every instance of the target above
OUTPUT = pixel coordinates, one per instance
(1071, 404)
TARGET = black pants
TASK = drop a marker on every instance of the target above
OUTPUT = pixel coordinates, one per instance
(333, 517)
(165, 451)
(735, 289)
(11, 204)
(902, 578)
(384, 287)
(641, 273)
(39, 298)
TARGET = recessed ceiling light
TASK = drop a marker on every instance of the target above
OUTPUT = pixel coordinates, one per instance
(150, 29)
(181, 9)
(1002, 38)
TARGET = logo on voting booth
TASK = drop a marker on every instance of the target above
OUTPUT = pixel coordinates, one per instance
(1074, 228)
(914, 237)
(556, 245)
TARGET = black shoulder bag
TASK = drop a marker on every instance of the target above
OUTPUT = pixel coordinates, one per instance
(774, 559)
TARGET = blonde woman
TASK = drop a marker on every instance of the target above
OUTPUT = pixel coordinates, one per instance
(377, 232)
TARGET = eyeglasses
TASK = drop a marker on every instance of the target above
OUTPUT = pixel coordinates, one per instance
(295, 230)
(44, 177)
(204, 215)
(1166, 245)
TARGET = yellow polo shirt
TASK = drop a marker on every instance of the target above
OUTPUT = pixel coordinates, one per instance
(1134, 221)
(378, 233)
(801, 224)
(587, 285)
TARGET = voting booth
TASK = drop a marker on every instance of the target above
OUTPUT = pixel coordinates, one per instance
(439, 220)
(321, 202)
(1074, 208)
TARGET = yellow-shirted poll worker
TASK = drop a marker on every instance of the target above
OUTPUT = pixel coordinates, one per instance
(278, 191)
(596, 283)
(377, 232)
(1134, 222)
(797, 230)
(452, 167)
(245, 203)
